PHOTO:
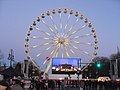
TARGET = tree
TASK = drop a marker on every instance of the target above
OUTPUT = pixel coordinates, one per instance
(102, 65)
(18, 67)
(115, 56)
(1, 56)
(99, 67)
(33, 70)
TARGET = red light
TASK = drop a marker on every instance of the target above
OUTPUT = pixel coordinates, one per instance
(47, 58)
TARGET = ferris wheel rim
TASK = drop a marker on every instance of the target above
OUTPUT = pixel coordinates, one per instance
(59, 10)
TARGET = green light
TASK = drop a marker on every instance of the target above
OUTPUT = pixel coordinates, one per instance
(98, 65)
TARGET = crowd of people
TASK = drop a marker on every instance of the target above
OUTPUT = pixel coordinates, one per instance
(35, 84)
(46, 84)
(13, 84)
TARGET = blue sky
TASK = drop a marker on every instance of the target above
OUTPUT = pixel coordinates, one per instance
(17, 15)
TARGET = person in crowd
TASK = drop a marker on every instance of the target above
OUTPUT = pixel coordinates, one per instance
(37, 85)
(31, 87)
(4, 85)
(52, 85)
(46, 84)
(42, 84)
(16, 85)
(62, 85)
(59, 84)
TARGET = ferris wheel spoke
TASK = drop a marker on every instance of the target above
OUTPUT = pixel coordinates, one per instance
(84, 43)
(67, 21)
(72, 51)
(76, 31)
(51, 53)
(46, 49)
(44, 62)
(68, 47)
(55, 53)
(60, 23)
(55, 26)
(66, 52)
(73, 25)
(49, 27)
(48, 67)
(82, 36)
(85, 52)
(45, 44)
(62, 52)
(36, 37)
(50, 56)
(46, 33)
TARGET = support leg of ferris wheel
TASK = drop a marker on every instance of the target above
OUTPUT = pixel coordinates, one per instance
(48, 67)
(50, 62)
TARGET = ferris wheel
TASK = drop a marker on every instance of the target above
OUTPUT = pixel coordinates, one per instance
(60, 33)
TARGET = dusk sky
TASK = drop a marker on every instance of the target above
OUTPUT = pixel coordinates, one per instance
(17, 15)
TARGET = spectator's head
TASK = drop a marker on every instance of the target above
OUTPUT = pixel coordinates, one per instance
(4, 83)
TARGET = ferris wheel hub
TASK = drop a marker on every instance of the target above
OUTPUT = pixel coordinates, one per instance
(61, 39)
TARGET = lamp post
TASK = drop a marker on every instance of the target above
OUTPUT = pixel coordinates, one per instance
(116, 71)
(11, 57)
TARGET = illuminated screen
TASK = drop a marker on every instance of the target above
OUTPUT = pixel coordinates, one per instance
(65, 65)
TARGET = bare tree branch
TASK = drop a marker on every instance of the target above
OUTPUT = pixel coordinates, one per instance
(1, 55)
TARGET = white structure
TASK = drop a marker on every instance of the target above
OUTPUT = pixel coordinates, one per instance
(114, 69)
(63, 76)
(114, 66)
(25, 67)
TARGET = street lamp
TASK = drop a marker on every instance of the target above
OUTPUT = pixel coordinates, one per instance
(11, 57)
